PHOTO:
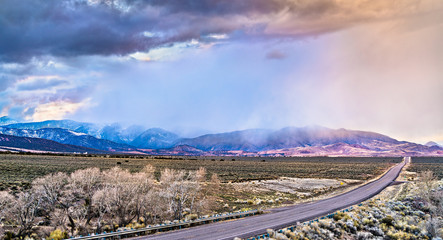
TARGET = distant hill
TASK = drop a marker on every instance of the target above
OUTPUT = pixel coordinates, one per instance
(260, 140)
(309, 141)
(68, 137)
(25, 144)
(289, 141)
(113, 132)
(87, 128)
(343, 149)
(246, 140)
(155, 138)
(118, 134)
(432, 144)
(180, 150)
(5, 120)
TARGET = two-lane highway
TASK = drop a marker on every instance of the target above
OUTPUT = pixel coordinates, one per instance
(283, 217)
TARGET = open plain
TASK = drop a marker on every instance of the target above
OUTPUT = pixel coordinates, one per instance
(18, 170)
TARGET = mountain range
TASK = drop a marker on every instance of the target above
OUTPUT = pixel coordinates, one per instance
(25, 144)
(69, 137)
(290, 141)
(5, 120)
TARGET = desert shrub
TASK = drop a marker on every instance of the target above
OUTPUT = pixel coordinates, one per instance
(191, 216)
(433, 226)
(412, 229)
(375, 231)
(388, 220)
(9, 235)
(368, 222)
(400, 235)
(364, 235)
(107, 228)
(136, 225)
(290, 234)
(341, 215)
(58, 234)
(34, 236)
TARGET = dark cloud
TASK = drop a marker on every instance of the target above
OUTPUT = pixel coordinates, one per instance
(5, 82)
(41, 84)
(57, 28)
(218, 7)
(70, 28)
(73, 95)
(275, 54)
(75, 28)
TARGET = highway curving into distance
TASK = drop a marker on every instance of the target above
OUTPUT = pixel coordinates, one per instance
(285, 216)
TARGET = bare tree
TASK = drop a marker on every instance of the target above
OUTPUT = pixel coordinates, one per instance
(79, 213)
(434, 198)
(100, 207)
(198, 194)
(25, 211)
(59, 218)
(51, 188)
(157, 209)
(200, 175)
(180, 189)
(83, 184)
(54, 192)
(6, 203)
(143, 184)
(426, 183)
(121, 191)
(89, 198)
(215, 181)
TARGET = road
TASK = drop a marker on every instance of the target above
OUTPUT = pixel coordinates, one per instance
(282, 217)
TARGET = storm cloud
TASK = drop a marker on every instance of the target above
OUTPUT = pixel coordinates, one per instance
(36, 84)
(222, 65)
(79, 27)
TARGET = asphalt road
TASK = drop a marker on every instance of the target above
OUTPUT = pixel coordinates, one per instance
(282, 217)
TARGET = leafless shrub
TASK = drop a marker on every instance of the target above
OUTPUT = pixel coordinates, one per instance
(6, 202)
(24, 212)
(425, 184)
(89, 199)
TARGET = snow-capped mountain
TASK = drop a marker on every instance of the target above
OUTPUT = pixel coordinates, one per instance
(113, 132)
(155, 138)
(260, 139)
(5, 120)
(288, 141)
(66, 136)
(26, 144)
(432, 144)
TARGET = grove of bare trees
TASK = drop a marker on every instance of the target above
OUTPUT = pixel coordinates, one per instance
(93, 201)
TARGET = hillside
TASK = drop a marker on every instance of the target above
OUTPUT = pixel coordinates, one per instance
(26, 144)
(67, 137)
(113, 132)
(289, 141)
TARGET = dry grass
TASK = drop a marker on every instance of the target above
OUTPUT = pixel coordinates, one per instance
(17, 171)
(422, 164)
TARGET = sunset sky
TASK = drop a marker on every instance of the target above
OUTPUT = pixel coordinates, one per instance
(212, 65)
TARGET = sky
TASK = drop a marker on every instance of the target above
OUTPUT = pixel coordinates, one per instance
(217, 65)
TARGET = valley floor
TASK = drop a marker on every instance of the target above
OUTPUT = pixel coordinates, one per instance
(18, 170)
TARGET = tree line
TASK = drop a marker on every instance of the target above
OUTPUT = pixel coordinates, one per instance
(92, 200)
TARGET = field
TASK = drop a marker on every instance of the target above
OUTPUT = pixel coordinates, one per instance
(246, 183)
(421, 164)
(17, 171)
